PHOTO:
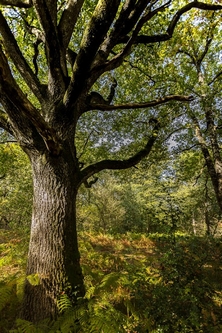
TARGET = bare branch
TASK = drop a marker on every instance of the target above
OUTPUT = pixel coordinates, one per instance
(121, 164)
(159, 101)
(197, 59)
(202, 56)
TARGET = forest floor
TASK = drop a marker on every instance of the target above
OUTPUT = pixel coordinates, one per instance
(154, 283)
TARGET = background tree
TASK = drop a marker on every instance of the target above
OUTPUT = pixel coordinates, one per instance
(99, 209)
(197, 70)
(54, 62)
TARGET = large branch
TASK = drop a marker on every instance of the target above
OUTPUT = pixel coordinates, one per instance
(136, 39)
(19, 107)
(17, 3)
(121, 164)
(68, 20)
(130, 19)
(101, 20)
(128, 106)
(47, 12)
(14, 52)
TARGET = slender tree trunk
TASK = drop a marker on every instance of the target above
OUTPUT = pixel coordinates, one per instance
(213, 161)
(53, 252)
(218, 172)
(194, 225)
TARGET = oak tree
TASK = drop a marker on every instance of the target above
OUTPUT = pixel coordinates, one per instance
(53, 56)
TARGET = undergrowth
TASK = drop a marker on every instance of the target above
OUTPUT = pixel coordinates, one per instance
(134, 284)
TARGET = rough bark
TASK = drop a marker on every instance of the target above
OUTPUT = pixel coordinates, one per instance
(53, 252)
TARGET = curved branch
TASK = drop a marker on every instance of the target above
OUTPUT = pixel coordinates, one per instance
(183, 10)
(135, 39)
(121, 164)
(143, 39)
(12, 49)
(159, 101)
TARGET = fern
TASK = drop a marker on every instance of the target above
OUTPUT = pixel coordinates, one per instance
(71, 318)
(24, 326)
(5, 295)
(64, 303)
(107, 320)
(91, 291)
(110, 281)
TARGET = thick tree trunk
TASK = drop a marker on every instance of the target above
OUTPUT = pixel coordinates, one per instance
(53, 251)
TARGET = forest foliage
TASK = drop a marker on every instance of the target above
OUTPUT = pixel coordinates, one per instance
(134, 283)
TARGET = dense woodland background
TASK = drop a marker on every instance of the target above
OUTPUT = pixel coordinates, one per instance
(169, 194)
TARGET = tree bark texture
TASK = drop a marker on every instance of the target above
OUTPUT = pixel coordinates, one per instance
(53, 251)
